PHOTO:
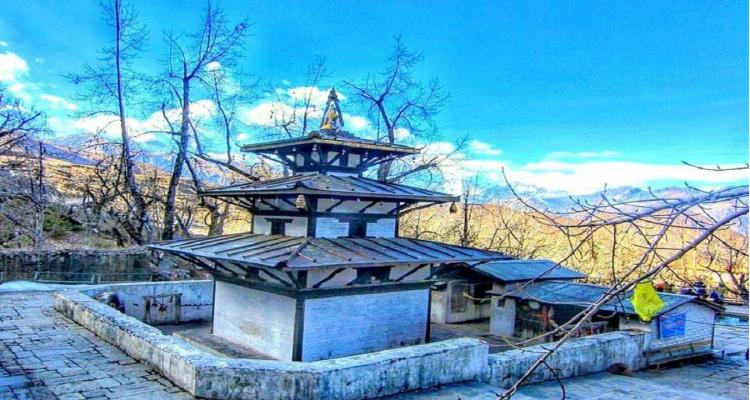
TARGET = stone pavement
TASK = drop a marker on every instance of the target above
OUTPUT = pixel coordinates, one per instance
(43, 355)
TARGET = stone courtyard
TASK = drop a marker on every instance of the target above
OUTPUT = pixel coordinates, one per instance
(43, 355)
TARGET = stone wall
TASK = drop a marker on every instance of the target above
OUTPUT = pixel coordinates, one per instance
(75, 265)
(196, 300)
(358, 377)
(580, 356)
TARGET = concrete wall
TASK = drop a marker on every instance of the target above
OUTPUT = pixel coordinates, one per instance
(341, 279)
(196, 300)
(352, 378)
(698, 326)
(503, 318)
(259, 320)
(444, 313)
(576, 357)
(347, 325)
(385, 227)
(331, 228)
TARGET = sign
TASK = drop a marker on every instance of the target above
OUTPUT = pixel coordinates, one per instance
(672, 325)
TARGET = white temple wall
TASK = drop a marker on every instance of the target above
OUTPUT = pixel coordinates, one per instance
(385, 227)
(331, 228)
(397, 271)
(259, 320)
(353, 206)
(315, 275)
(262, 226)
(348, 325)
(354, 160)
(503, 318)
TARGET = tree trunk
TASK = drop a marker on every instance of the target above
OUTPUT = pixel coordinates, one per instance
(174, 181)
(139, 205)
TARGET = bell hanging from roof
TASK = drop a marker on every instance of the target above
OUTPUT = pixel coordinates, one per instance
(454, 208)
(300, 203)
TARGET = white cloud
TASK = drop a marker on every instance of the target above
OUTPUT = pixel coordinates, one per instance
(3, 43)
(57, 101)
(213, 66)
(39, 60)
(483, 148)
(143, 130)
(582, 154)
(356, 123)
(12, 67)
(401, 133)
(243, 136)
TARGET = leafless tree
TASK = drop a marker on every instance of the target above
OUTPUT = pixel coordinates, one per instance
(191, 57)
(22, 172)
(399, 103)
(652, 223)
(110, 87)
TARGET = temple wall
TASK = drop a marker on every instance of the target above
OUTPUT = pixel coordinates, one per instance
(342, 278)
(330, 228)
(383, 228)
(348, 325)
(260, 320)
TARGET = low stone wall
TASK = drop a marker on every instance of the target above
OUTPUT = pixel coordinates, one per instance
(580, 356)
(356, 377)
(196, 299)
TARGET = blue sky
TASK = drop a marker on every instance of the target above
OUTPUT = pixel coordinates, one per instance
(566, 95)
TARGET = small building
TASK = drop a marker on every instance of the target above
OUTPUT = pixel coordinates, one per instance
(462, 294)
(323, 272)
(682, 328)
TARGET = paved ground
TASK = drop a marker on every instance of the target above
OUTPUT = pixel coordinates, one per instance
(43, 355)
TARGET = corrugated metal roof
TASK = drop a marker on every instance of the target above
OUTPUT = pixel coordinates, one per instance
(524, 270)
(341, 138)
(300, 253)
(325, 185)
(582, 294)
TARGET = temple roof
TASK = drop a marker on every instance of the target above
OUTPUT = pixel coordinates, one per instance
(340, 138)
(302, 253)
(526, 270)
(331, 185)
(583, 294)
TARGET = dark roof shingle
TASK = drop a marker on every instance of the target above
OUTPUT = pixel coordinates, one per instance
(524, 270)
(300, 253)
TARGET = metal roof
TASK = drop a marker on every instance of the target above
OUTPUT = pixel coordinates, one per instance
(340, 138)
(326, 185)
(582, 294)
(301, 253)
(524, 270)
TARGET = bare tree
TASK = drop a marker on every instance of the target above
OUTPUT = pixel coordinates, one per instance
(109, 87)
(191, 57)
(653, 222)
(401, 104)
(22, 173)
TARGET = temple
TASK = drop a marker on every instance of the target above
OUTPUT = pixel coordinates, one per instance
(323, 272)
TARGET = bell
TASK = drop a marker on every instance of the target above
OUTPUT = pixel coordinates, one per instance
(454, 208)
(300, 203)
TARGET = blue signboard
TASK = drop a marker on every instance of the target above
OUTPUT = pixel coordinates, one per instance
(672, 325)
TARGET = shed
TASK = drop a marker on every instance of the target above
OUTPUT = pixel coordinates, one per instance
(462, 295)
(682, 328)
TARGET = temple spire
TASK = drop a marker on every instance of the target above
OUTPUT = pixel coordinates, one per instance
(332, 120)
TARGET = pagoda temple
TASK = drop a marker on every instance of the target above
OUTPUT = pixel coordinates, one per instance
(323, 273)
